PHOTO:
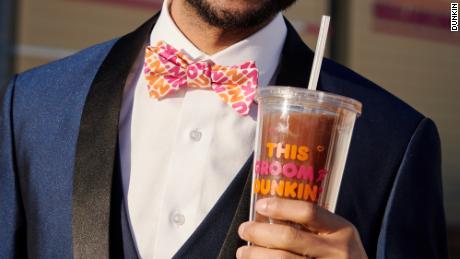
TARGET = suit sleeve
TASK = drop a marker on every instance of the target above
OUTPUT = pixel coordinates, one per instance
(414, 222)
(12, 222)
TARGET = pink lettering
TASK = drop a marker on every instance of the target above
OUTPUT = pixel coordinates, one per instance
(290, 170)
(275, 168)
(305, 173)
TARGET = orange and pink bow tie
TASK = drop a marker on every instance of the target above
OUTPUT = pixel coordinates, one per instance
(167, 70)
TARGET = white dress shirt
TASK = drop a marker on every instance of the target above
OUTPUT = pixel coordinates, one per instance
(179, 154)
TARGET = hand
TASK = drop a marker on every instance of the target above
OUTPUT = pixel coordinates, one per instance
(329, 236)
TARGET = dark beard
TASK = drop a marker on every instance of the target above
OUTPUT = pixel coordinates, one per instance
(230, 20)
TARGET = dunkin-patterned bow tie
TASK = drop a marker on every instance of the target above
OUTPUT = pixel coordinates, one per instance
(167, 70)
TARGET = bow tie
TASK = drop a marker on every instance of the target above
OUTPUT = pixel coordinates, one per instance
(167, 70)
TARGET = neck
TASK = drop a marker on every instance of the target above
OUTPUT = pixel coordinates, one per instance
(207, 38)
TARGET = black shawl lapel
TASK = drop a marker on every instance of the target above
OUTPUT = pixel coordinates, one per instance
(97, 147)
(294, 69)
(296, 61)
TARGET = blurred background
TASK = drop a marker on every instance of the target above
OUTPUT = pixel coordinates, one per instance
(406, 46)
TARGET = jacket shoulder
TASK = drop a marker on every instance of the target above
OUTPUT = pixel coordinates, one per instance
(375, 98)
(57, 90)
(82, 63)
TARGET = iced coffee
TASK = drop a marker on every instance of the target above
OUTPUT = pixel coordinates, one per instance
(301, 145)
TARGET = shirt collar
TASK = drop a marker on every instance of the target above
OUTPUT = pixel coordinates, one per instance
(264, 46)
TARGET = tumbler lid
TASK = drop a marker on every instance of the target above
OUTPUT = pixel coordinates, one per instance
(301, 96)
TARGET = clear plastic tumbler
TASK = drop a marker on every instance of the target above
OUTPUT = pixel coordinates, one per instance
(301, 145)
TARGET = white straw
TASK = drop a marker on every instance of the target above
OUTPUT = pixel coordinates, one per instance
(319, 52)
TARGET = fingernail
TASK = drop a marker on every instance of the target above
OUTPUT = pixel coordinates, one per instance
(239, 252)
(261, 205)
(241, 230)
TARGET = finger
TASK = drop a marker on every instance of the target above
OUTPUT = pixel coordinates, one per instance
(285, 237)
(254, 252)
(314, 217)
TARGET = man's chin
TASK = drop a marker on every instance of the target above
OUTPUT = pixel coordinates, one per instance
(241, 7)
(238, 14)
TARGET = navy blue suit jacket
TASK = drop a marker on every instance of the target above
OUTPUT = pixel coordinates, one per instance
(59, 187)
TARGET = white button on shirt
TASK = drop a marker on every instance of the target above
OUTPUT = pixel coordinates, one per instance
(180, 153)
(178, 218)
(195, 135)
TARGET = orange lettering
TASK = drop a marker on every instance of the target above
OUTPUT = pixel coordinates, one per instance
(265, 186)
(290, 189)
(271, 147)
(309, 193)
(303, 153)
